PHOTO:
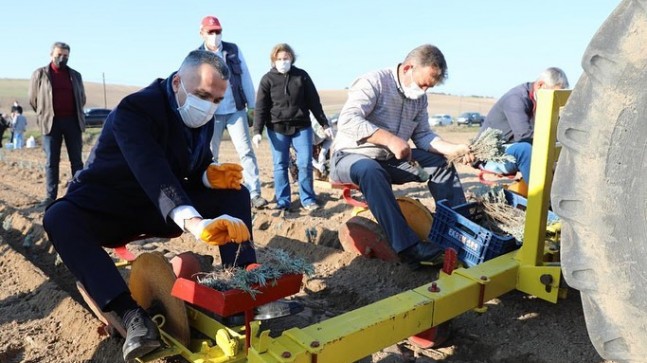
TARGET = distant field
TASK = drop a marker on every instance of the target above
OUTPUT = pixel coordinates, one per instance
(16, 89)
(332, 100)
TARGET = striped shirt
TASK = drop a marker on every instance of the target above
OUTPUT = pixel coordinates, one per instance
(375, 101)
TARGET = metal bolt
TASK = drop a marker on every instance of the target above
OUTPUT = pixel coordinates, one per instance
(286, 355)
(484, 278)
(434, 287)
(314, 344)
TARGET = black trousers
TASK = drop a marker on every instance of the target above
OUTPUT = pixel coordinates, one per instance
(63, 128)
(78, 234)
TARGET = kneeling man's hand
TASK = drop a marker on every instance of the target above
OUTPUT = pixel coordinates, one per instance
(221, 230)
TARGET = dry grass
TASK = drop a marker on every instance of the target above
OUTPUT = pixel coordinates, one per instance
(275, 263)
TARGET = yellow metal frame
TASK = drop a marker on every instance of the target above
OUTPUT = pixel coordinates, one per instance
(359, 333)
(544, 155)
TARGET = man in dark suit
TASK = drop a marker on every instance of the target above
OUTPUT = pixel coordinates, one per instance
(150, 173)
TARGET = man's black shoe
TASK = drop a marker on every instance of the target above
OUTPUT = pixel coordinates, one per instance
(420, 252)
(142, 336)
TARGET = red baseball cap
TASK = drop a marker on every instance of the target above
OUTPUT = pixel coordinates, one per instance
(210, 23)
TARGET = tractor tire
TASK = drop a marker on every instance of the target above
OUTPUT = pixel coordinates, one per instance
(599, 189)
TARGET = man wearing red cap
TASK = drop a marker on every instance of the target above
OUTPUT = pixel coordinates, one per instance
(232, 113)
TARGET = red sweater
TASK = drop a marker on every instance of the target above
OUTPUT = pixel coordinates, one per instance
(62, 92)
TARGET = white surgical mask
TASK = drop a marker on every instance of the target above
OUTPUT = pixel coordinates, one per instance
(213, 40)
(195, 112)
(283, 66)
(413, 91)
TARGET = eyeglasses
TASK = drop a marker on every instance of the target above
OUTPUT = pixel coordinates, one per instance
(217, 32)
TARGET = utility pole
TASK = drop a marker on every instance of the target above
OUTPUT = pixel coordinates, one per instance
(105, 101)
(460, 104)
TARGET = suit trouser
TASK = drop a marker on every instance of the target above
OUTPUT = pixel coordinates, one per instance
(79, 234)
(375, 177)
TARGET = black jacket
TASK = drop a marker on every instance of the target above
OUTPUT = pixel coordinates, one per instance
(4, 124)
(284, 102)
(143, 158)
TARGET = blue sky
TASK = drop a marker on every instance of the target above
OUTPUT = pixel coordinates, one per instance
(490, 46)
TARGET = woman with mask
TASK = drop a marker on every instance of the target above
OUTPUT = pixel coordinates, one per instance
(286, 96)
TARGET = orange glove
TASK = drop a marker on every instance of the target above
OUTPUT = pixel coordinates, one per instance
(222, 230)
(223, 176)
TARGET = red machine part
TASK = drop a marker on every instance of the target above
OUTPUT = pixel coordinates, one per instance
(365, 237)
(432, 337)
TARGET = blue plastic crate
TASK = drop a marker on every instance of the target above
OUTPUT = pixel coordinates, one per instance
(458, 228)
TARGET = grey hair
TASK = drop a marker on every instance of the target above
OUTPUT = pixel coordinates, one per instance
(200, 57)
(60, 45)
(429, 55)
(553, 77)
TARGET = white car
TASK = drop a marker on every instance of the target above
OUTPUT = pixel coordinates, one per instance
(440, 120)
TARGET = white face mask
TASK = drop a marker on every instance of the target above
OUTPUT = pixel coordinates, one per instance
(283, 66)
(195, 112)
(213, 40)
(413, 91)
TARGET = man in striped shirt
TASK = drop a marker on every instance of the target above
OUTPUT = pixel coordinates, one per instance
(385, 109)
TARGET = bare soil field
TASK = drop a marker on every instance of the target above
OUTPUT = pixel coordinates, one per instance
(44, 319)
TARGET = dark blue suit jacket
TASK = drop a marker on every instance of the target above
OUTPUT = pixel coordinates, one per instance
(144, 159)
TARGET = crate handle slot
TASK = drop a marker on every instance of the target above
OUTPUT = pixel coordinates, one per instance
(466, 229)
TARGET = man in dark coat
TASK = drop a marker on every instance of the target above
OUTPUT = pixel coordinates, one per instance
(150, 174)
(4, 125)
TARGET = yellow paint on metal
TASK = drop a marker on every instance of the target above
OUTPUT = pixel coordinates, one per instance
(228, 345)
(531, 254)
(541, 174)
(359, 333)
(359, 210)
(122, 263)
(520, 187)
(229, 341)
(531, 277)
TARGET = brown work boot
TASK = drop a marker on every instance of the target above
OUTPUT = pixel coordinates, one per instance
(142, 336)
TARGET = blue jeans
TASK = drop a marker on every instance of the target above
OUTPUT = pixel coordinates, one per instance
(18, 140)
(301, 141)
(375, 177)
(522, 152)
(62, 128)
(236, 124)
